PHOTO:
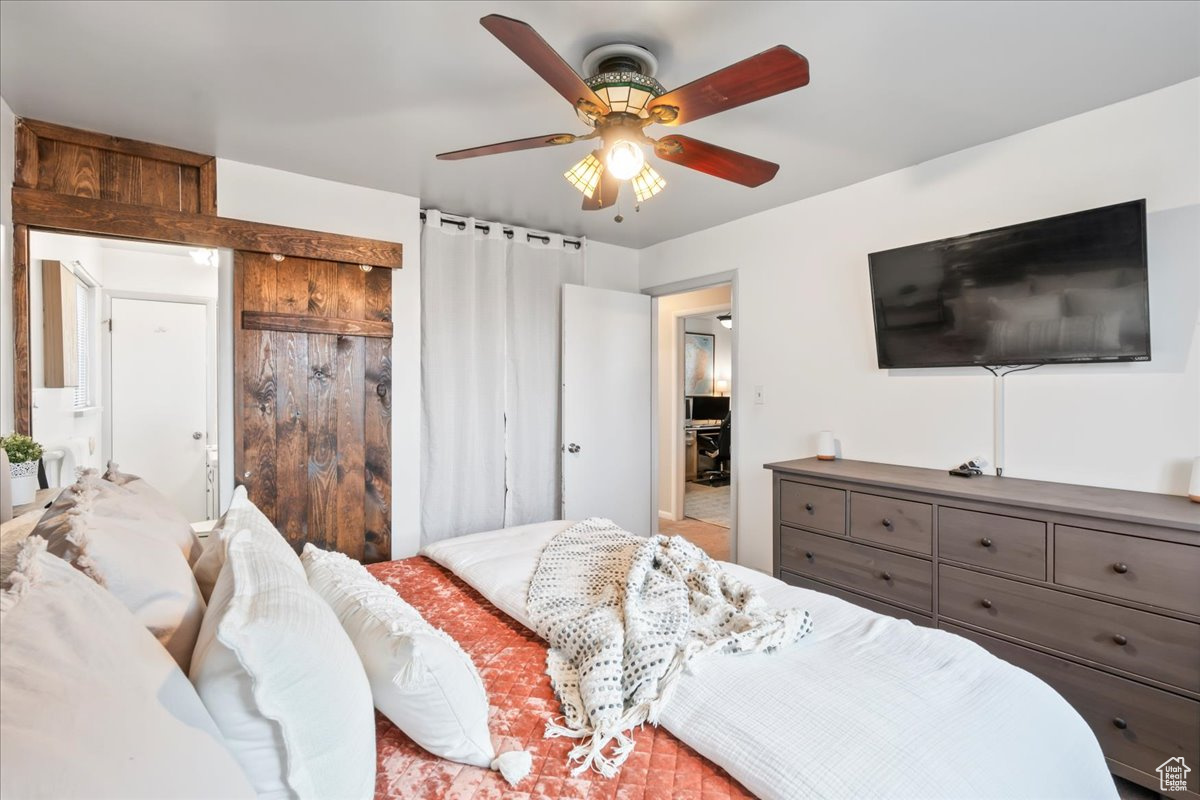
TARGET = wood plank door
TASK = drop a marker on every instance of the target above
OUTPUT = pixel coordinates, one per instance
(312, 394)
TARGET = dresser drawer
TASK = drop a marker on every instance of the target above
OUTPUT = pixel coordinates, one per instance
(1157, 573)
(1135, 724)
(994, 541)
(898, 523)
(1145, 644)
(862, 601)
(880, 573)
(812, 506)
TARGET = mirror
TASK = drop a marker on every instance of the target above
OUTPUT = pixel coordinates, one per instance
(123, 352)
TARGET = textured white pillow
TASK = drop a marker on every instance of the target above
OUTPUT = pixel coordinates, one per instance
(92, 706)
(420, 678)
(141, 501)
(241, 515)
(129, 557)
(282, 680)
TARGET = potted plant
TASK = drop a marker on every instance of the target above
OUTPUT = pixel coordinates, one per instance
(23, 457)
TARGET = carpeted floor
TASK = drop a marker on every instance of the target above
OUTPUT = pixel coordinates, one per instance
(712, 539)
(707, 503)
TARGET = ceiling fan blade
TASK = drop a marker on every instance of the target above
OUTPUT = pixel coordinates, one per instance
(542, 58)
(607, 190)
(769, 73)
(509, 147)
(716, 161)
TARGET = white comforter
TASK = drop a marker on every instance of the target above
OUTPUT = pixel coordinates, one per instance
(866, 706)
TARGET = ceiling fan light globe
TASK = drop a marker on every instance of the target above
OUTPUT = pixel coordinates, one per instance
(585, 176)
(647, 183)
(625, 159)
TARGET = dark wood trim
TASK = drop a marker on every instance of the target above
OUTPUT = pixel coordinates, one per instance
(61, 133)
(60, 212)
(239, 347)
(208, 187)
(25, 164)
(1112, 506)
(302, 323)
(22, 386)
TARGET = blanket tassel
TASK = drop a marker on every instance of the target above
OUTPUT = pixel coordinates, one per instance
(513, 765)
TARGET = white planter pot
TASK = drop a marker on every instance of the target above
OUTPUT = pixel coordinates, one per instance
(24, 482)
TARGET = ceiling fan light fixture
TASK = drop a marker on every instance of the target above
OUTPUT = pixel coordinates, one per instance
(625, 159)
(585, 176)
(726, 319)
(647, 183)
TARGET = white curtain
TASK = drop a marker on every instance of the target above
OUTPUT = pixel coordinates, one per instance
(490, 367)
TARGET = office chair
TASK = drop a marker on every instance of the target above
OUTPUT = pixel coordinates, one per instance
(719, 453)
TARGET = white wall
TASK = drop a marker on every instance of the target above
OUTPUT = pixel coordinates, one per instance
(610, 266)
(805, 331)
(668, 390)
(246, 191)
(164, 273)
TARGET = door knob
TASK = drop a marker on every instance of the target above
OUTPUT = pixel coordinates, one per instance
(196, 435)
(573, 448)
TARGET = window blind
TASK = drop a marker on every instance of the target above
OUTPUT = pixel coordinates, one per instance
(83, 344)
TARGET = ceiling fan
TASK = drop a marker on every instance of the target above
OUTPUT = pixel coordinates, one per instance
(621, 99)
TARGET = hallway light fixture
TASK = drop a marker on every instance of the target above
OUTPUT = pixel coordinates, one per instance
(726, 319)
(204, 256)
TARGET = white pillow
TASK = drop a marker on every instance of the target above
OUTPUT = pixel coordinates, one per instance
(242, 514)
(93, 707)
(141, 501)
(130, 558)
(282, 680)
(420, 678)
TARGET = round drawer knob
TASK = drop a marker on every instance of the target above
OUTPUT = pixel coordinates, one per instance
(1120, 723)
(986, 542)
(887, 576)
(1120, 568)
(887, 523)
(985, 603)
(1121, 640)
(809, 555)
(808, 507)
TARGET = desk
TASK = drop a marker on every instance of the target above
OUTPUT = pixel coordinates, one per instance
(691, 451)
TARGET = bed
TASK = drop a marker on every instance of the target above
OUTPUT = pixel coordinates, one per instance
(512, 661)
(867, 706)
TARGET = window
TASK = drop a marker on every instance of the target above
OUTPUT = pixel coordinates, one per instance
(83, 344)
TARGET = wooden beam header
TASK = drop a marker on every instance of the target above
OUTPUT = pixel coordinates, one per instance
(40, 209)
(102, 141)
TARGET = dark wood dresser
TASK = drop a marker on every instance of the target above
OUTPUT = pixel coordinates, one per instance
(1096, 591)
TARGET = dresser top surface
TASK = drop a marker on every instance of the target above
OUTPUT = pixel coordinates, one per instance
(1091, 501)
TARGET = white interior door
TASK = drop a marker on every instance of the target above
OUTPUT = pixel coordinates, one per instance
(606, 407)
(159, 396)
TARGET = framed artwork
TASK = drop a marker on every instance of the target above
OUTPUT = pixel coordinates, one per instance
(699, 350)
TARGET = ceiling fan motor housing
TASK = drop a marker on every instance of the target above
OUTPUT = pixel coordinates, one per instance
(623, 76)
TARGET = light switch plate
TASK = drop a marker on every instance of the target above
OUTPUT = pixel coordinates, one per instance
(758, 396)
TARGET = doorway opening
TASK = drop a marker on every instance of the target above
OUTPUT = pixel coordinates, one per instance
(124, 350)
(696, 481)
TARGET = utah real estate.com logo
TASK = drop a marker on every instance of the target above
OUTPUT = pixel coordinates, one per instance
(1172, 775)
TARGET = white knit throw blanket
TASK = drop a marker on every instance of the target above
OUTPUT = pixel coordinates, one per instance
(624, 616)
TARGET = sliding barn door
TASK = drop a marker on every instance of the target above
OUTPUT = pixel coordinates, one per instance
(312, 399)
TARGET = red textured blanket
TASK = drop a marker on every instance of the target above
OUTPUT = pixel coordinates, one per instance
(512, 661)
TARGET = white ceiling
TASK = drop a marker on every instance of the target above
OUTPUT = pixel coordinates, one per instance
(369, 92)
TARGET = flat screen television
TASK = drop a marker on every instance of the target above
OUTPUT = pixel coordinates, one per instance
(1066, 289)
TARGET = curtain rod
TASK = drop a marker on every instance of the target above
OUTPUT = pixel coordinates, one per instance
(461, 224)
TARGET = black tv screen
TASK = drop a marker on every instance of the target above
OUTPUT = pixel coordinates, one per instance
(1066, 289)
